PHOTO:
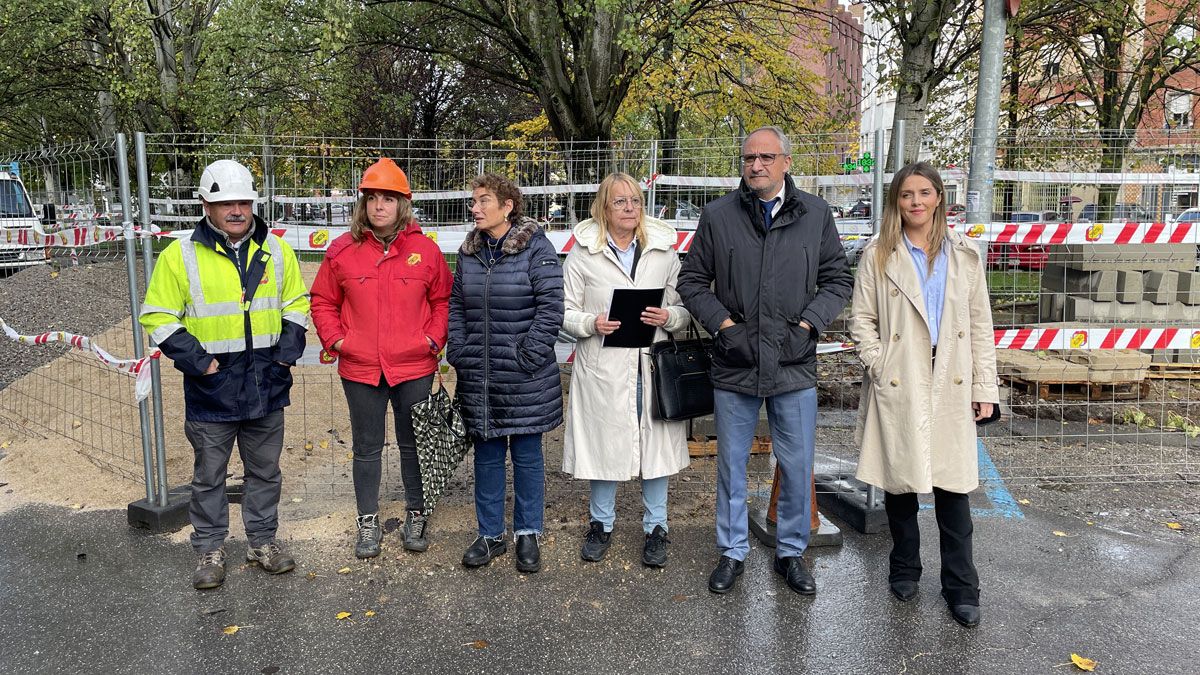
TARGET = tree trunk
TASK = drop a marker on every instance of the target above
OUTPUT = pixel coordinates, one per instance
(917, 78)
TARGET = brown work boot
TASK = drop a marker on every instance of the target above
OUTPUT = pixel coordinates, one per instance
(210, 570)
(271, 558)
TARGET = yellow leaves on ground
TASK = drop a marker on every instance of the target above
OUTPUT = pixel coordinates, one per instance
(344, 570)
(230, 630)
(1174, 526)
(324, 444)
(342, 616)
(478, 644)
(308, 445)
(1083, 663)
(1023, 502)
(1060, 533)
(369, 613)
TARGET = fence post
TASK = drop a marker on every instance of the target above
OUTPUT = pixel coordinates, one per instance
(160, 445)
(134, 303)
(653, 168)
(877, 183)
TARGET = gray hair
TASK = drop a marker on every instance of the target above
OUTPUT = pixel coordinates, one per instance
(785, 143)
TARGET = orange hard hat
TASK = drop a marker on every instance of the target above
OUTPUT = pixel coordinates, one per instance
(385, 175)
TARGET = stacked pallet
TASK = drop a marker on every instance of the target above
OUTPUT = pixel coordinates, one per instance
(1076, 374)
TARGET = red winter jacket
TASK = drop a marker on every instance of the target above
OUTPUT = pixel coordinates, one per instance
(385, 307)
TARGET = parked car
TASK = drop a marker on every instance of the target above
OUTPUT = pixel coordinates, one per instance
(1118, 213)
(860, 209)
(854, 246)
(1024, 256)
(956, 210)
(17, 213)
(1191, 215)
(837, 211)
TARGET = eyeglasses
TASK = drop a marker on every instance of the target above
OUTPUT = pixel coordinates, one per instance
(767, 158)
(622, 202)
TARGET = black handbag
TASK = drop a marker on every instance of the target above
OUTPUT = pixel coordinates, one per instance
(679, 372)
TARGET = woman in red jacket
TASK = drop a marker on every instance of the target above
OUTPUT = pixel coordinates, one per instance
(381, 304)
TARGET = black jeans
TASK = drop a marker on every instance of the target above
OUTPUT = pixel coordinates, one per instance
(960, 581)
(368, 421)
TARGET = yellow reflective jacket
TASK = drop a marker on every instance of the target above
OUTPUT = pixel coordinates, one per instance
(245, 306)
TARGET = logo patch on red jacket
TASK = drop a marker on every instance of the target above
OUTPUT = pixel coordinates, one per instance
(414, 259)
(326, 358)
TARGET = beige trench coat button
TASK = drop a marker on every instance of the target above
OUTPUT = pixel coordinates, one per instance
(958, 380)
(896, 337)
(895, 292)
(895, 383)
(960, 333)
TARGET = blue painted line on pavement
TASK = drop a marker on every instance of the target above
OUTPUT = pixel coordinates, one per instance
(1003, 503)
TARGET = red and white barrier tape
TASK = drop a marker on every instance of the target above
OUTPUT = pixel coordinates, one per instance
(135, 368)
(1084, 233)
(1081, 337)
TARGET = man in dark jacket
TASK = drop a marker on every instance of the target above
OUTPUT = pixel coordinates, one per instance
(228, 306)
(765, 275)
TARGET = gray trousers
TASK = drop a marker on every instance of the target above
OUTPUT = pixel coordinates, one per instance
(260, 442)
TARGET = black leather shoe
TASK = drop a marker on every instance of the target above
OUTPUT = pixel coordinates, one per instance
(965, 615)
(798, 577)
(725, 575)
(904, 589)
(482, 550)
(529, 556)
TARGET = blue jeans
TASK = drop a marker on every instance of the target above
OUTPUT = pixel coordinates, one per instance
(603, 504)
(529, 484)
(793, 421)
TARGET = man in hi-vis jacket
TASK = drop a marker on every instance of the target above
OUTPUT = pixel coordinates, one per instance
(229, 307)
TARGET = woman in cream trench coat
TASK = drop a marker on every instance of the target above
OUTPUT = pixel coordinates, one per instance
(919, 402)
(612, 434)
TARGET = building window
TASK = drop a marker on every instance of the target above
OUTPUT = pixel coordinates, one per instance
(1179, 110)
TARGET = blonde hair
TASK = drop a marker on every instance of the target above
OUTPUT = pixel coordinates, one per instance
(891, 226)
(360, 224)
(604, 196)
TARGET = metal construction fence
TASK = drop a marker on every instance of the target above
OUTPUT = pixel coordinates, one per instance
(1092, 274)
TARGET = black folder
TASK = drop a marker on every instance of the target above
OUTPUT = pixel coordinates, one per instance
(626, 306)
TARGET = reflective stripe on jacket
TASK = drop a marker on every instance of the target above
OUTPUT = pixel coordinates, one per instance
(246, 306)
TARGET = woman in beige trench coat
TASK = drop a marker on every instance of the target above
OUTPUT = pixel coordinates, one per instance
(611, 432)
(922, 323)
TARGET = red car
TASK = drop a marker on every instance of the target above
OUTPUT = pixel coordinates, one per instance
(1024, 256)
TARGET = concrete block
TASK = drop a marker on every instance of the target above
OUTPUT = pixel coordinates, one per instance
(1142, 257)
(1129, 286)
(1160, 287)
(1135, 375)
(1109, 359)
(1050, 307)
(1039, 366)
(1100, 286)
(1188, 284)
(1078, 308)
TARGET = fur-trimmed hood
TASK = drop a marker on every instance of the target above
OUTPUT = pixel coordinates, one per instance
(516, 241)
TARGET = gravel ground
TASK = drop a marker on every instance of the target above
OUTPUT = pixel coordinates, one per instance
(86, 300)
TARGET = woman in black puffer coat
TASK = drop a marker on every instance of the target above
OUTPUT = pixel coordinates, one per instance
(505, 312)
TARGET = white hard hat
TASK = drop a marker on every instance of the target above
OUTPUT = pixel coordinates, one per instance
(227, 181)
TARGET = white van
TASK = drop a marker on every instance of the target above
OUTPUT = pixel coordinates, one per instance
(18, 227)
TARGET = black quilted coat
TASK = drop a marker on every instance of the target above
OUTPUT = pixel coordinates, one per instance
(504, 320)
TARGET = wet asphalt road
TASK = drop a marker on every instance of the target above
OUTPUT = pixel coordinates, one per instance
(82, 593)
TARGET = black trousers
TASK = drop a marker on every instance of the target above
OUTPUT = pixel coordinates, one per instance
(368, 421)
(960, 581)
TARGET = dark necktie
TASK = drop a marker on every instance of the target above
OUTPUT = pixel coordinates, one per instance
(767, 208)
